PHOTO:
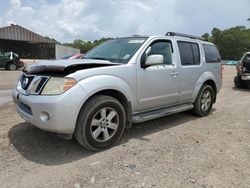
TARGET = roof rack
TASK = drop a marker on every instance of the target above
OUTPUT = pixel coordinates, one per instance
(184, 35)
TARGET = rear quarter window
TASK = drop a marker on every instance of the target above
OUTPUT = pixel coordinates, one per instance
(212, 54)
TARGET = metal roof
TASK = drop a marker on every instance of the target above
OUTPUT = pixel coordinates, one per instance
(16, 32)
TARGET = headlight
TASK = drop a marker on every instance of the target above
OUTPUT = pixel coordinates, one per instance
(57, 86)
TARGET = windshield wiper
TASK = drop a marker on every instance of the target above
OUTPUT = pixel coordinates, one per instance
(100, 58)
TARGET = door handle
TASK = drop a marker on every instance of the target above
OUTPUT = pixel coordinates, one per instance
(174, 73)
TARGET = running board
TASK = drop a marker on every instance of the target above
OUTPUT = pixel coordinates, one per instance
(153, 114)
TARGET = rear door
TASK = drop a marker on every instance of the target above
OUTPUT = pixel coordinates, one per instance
(190, 68)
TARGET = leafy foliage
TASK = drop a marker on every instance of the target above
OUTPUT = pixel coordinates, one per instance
(85, 46)
(232, 43)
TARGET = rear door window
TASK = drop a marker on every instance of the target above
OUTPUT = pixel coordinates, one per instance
(189, 53)
(212, 54)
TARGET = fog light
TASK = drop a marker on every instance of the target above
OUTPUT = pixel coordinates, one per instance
(44, 116)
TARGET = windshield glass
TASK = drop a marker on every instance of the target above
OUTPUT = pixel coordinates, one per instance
(116, 50)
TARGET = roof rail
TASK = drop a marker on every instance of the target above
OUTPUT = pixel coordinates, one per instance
(184, 35)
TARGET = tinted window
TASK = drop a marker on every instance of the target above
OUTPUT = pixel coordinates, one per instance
(211, 53)
(247, 59)
(196, 53)
(189, 53)
(163, 48)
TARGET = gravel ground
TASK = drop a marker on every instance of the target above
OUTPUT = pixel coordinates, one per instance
(176, 151)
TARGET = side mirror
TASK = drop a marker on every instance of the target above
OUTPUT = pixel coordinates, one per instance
(154, 60)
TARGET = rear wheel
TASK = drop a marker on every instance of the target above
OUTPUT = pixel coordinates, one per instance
(204, 101)
(100, 123)
(239, 83)
(12, 66)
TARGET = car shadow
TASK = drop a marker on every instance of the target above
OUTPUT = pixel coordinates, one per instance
(245, 90)
(46, 148)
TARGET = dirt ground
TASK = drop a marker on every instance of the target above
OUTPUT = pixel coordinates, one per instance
(176, 151)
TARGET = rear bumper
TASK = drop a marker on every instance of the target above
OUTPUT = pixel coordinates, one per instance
(62, 109)
(245, 77)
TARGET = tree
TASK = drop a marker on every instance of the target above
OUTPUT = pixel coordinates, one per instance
(232, 43)
(205, 36)
(85, 46)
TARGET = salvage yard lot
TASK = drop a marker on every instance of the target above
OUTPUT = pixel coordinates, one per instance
(176, 151)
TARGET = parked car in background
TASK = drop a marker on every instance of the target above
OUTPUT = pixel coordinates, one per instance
(67, 56)
(124, 80)
(242, 79)
(231, 63)
(77, 56)
(73, 56)
(10, 61)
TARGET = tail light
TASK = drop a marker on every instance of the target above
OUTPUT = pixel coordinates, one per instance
(239, 68)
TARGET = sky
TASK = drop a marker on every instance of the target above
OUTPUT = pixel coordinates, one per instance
(66, 20)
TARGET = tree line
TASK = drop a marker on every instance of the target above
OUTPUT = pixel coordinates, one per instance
(232, 43)
(85, 46)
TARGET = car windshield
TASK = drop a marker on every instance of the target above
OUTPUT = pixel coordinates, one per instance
(116, 50)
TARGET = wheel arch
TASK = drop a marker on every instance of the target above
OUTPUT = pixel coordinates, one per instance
(209, 79)
(113, 87)
(213, 85)
(122, 99)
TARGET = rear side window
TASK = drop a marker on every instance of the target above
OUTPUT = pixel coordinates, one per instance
(189, 53)
(212, 54)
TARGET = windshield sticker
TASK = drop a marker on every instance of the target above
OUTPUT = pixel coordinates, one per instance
(136, 41)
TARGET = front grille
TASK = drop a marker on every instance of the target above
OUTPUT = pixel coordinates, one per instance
(32, 84)
(41, 84)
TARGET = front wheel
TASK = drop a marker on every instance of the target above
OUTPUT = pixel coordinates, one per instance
(204, 101)
(12, 66)
(101, 123)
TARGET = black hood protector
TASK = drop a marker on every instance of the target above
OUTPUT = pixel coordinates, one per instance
(62, 69)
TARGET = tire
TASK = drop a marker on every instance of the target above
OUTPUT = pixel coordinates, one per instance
(239, 83)
(100, 123)
(12, 66)
(204, 101)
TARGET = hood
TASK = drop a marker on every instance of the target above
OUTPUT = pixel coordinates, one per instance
(65, 67)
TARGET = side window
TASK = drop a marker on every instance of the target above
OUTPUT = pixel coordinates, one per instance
(160, 48)
(212, 54)
(196, 53)
(189, 53)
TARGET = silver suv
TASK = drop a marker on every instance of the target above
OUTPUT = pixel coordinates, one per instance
(119, 82)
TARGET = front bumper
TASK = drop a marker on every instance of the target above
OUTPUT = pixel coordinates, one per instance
(62, 109)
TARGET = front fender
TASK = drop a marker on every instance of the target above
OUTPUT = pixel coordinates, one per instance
(203, 78)
(99, 83)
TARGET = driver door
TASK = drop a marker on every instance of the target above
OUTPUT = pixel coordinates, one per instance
(158, 85)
